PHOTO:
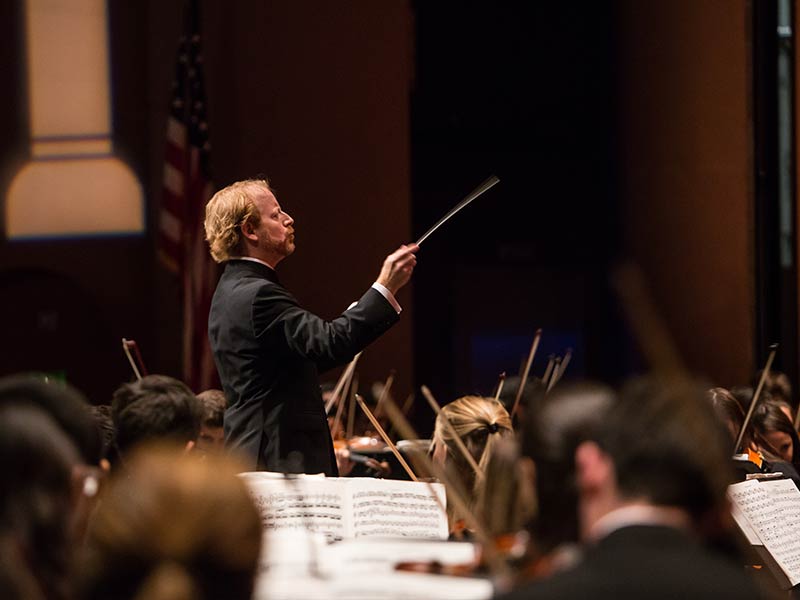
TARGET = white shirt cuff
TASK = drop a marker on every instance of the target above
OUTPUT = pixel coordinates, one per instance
(388, 295)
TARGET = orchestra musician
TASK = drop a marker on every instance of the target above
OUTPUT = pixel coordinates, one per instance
(563, 419)
(774, 432)
(768, 438)
(268, 350)
(480, 423)
(649, 479)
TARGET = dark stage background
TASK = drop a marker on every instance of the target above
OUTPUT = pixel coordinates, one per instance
(620, 130)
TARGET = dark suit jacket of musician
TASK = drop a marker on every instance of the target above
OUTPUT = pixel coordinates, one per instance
(649, 562)
(269, 353)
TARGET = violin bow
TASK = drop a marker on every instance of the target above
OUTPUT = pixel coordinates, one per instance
(408, 403)
(563, 366)
(351, 409)
(500, 382)
(462, 448)
(554, 374)
(386, 439)
(773, 349)
(384, 392)
(548, 370)
(647, 324)
(406, 407)
(526, 371)
(343, 400)
(126, 347)
(337, 390)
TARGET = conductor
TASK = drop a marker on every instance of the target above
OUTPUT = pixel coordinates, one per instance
(268, 350)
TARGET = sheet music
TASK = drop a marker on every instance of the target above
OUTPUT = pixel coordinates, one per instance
(772, 512)
(390, 508)
(350, 507)
(749, 533)
(316, 505)
(786, 495)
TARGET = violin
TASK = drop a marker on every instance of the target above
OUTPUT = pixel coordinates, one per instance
(512, 548)
(356, 450)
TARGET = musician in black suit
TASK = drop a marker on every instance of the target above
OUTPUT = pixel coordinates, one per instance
(651, 482)
(268, 350)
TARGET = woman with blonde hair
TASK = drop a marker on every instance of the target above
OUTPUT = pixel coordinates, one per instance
(481, 424)
(173, 526)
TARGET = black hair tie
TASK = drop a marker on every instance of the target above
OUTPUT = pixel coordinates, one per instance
(492, 427)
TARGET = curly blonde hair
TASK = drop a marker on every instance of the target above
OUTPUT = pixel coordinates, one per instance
(226, 212)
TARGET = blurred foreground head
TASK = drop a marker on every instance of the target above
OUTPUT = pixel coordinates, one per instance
(63, 403)
(173, 526)
(556, 424)
(662, 445)
(37, 501)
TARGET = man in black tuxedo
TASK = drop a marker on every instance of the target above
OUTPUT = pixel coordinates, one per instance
(651, 480)
(268, 350)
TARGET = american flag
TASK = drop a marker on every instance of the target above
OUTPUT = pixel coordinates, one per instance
(187, 188)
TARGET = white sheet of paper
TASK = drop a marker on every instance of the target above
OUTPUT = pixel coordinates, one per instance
(398, 509)
(310, 504)
(770, 510)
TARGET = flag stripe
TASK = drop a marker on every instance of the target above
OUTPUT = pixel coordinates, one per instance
(173, 180)
(176, 132)
(171, 227)
(186, 189)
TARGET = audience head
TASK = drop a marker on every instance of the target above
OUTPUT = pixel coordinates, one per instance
(37, 504)
(155, 408)
(173, 526)
(559, 422)
(660, 445)
(212, 435)
(774, 433)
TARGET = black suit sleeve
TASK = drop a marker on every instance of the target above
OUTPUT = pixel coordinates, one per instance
(279, 322)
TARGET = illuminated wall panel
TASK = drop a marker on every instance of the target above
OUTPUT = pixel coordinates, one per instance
(72, 185)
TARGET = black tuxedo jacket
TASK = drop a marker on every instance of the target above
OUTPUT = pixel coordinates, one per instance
(269, 352)
(649, 562)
